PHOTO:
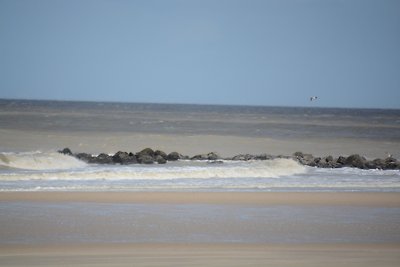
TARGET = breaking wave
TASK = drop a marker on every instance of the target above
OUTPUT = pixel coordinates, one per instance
(39, 161)
(179, 170)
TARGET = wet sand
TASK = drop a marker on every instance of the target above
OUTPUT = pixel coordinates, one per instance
(366, 199)
(206, 254)
(202, 255)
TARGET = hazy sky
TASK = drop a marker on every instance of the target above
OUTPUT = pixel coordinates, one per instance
(247, 52)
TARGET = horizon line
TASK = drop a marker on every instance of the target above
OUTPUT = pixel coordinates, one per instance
(187, 103)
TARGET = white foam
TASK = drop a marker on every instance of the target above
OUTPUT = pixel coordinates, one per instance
(257, 169)
(39, 161)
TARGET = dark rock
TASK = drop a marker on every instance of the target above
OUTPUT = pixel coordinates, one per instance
(209, 156)
(334, 164)
(305, 159)
(391, 159)
(341, 160)
(398, 165)
(308, 157)
(124, 158)
(146, 156)
(325, 162)
(356, 161)
(328, 162)
(239, 157)
(213, 156)
(243, 157)
(328, 159)
(310, 160)
(161, 154)
(264, 157)
(160, 160)
(199, 157)
(146, 151)
(372, 165)
(298, 154)
(146, 159)
(65, 151)
(84, 157)
(391, 164)
(103, 159)
(383, 164)
(378, 163)
(173, 156)
(120, 157)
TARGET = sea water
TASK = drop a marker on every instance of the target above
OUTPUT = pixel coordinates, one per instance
(55, 172)
(31, 132)
(252, 121)
(47, 170)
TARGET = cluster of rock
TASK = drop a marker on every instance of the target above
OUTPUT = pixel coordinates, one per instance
(354, 161)
(150, 156)
(146, 156)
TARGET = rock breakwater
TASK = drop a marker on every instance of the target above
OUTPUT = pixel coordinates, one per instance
(150, 156)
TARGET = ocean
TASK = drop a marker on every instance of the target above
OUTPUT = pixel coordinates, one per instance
(31, 132)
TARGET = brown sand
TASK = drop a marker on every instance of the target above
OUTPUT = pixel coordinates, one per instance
(262, 198)
(156, 254)
(202, 255)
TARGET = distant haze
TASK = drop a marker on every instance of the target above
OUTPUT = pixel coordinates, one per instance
(267, 52)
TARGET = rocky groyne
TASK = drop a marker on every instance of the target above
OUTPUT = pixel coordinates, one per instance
(150, 156)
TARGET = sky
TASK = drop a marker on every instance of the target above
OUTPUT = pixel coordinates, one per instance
(236, 52)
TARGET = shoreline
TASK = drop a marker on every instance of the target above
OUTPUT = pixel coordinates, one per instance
(367, 199)
(354, 253)
(386, 255)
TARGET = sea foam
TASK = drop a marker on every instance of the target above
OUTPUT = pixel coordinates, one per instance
(182, 170)
(39, 161)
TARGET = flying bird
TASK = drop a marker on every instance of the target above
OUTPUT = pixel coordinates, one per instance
(313, 98)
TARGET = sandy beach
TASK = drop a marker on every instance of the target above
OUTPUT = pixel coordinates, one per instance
(372, 199)
(222, 253)
(202, 255)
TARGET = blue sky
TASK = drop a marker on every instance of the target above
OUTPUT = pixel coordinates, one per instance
(271, 52)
